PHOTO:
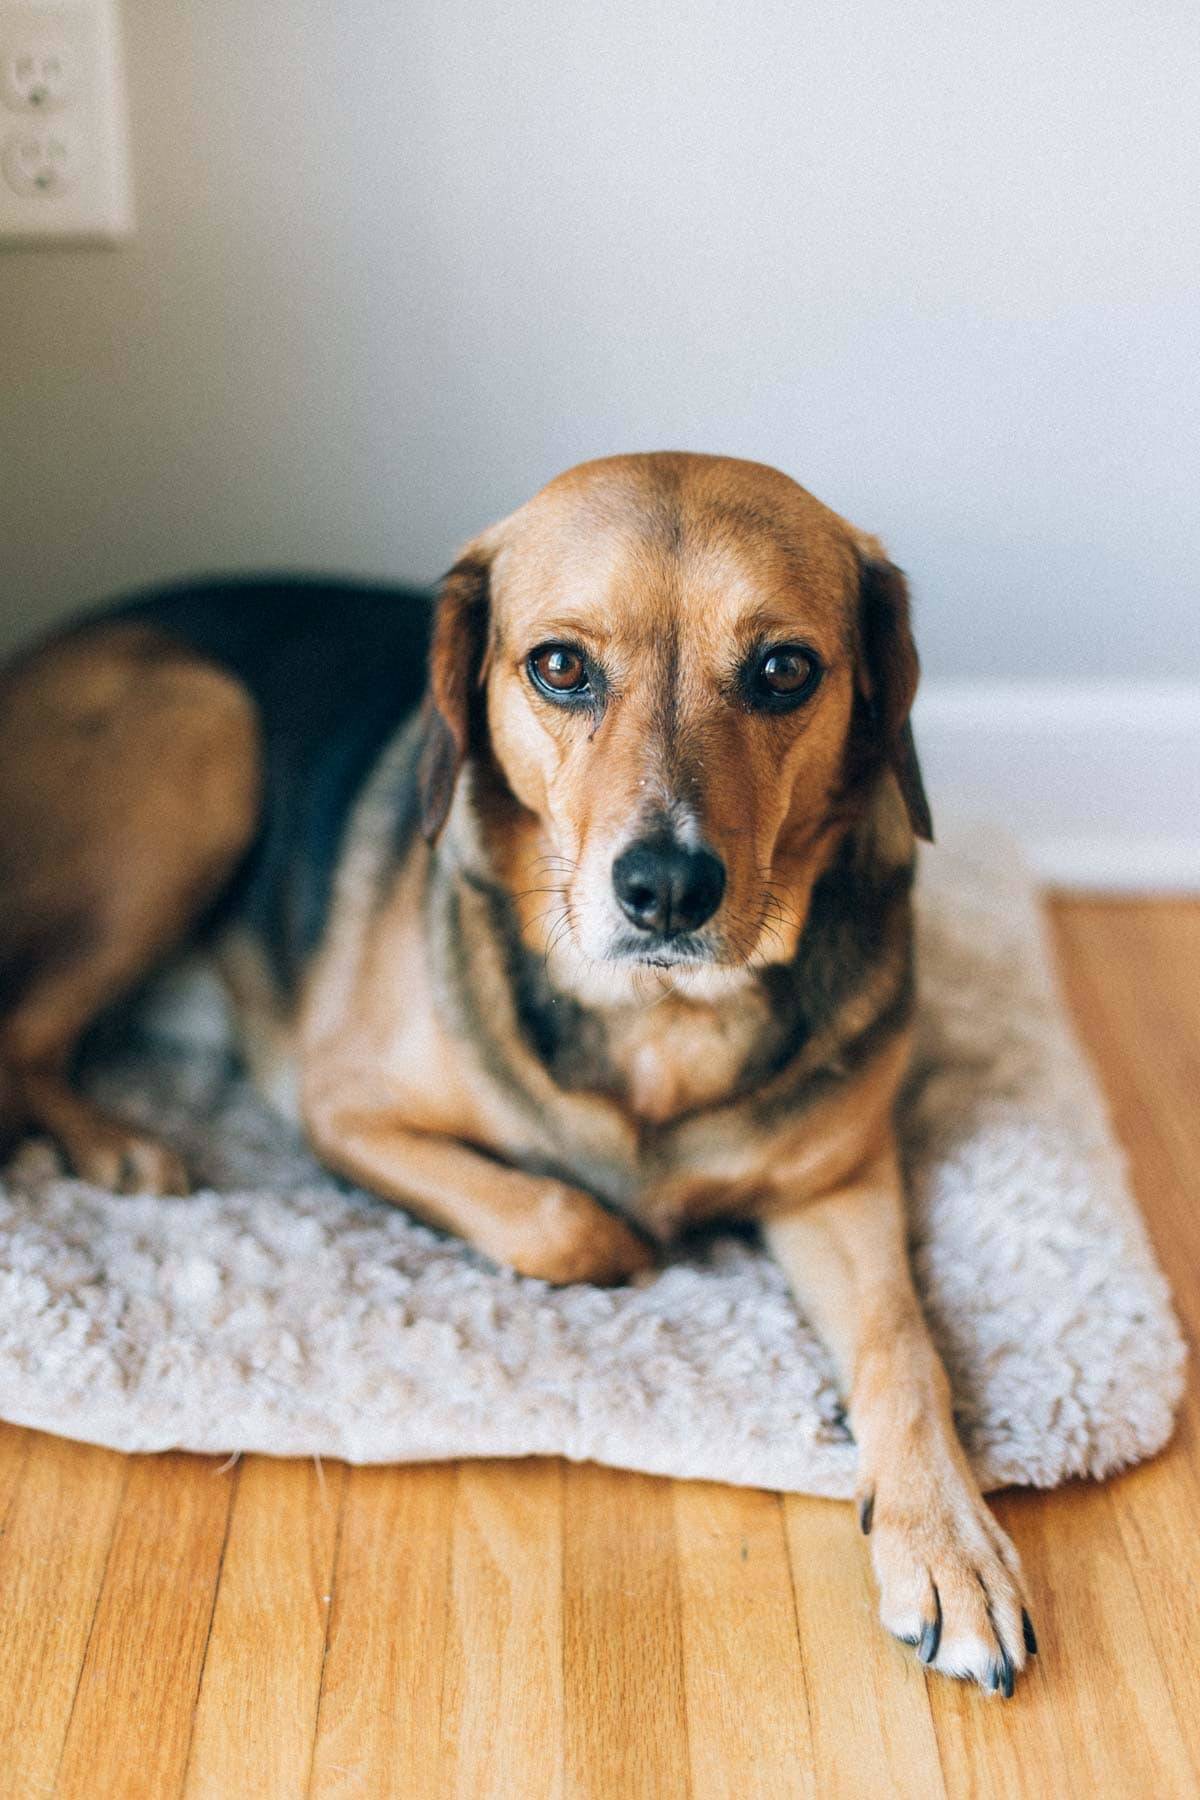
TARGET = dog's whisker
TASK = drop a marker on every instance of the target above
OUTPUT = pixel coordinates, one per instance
(524, 893)
(561, 929)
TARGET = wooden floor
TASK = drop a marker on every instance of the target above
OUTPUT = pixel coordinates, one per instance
(169, 1625)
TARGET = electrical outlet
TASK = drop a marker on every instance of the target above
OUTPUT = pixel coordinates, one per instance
(36, 77)
(41, 161)
(64, 158)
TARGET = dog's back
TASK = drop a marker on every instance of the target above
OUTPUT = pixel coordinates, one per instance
(190, 754)
(332, 668)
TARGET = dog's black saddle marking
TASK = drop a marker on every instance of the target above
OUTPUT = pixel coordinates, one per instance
(334, 668)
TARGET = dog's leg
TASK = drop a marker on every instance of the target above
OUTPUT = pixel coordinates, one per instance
(949, 1578)
(533, 1224)
(129, 778)
(96, 1146)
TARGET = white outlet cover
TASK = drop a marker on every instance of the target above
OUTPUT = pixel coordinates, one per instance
(36, 77)
(64, 154)
(40, 160)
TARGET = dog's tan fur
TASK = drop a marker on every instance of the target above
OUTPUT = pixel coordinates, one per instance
(681, 1094)
(118, 753)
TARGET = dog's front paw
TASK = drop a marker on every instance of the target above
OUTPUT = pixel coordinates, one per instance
(114, 1156)
(571, 1238)
(949, 1579)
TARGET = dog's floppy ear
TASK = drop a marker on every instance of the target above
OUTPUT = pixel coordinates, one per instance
(889, 673)
(452, 710)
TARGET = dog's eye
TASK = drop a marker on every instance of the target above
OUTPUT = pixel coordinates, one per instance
(559, 670)
(784, 675)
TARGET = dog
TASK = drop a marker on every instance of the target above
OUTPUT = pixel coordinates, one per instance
(571, 913)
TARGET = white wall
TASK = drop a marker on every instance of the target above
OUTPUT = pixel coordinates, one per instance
(400, 260)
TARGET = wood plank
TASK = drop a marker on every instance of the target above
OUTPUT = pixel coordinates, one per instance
(62, 1506)
(257, 1712)
(988, 1746)
(502, 1701)
(1134, 987)
(622, 1638)
(747, 1709)
(1008, 1750)
(379, 1724)
(1113, 1709)
(1155, 1509)
(1135, 992)
(15, 1445)
(869, 1713)
(132, 1722)
(1132, 976)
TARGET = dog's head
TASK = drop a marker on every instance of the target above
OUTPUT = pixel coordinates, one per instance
(678, 680)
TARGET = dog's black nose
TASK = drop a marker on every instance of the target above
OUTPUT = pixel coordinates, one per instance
(665, 888)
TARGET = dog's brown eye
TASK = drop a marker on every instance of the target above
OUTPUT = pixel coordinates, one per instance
(559, 669)
(784, 671)
(786, 675)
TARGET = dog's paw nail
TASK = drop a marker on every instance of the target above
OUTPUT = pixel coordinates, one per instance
(866, 1513)
(999, 1677)
(1029, 1634)
(1002, 1676)
(931, 1637)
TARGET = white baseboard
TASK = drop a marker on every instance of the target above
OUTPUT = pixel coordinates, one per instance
(1098, 782)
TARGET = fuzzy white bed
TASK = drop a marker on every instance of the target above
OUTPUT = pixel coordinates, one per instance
(277, 1311)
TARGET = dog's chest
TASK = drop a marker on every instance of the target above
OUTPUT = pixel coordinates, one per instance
(650, 1115)
(675, 1056)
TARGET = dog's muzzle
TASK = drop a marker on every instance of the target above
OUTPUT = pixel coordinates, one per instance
(667, 889)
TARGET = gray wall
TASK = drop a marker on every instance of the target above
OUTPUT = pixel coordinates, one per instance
(400, 260)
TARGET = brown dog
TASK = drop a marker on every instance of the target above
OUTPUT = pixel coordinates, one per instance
(610, 936)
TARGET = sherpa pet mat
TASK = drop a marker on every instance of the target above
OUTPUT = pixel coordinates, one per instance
(275, 1310)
